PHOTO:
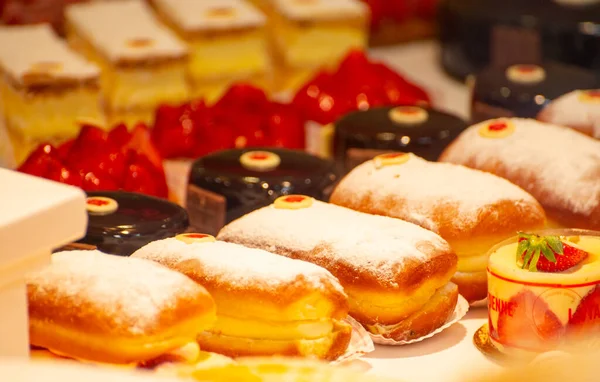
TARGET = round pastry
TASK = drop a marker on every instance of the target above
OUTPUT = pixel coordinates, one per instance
(579, 109)
(471, 210)
(267, 304)
(478, 33)
(524, 90)
(544, 292)
(557, 165)
(94, 307)
(228, 184)
(121, 222)
(362, 135)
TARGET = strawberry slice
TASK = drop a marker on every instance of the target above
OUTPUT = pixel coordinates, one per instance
(141, 142)
(586, 319)
(143, 177)
(243, 97)
(41, 160)
(119, 135)
(529, 323)
(65, 148)
(548, 253)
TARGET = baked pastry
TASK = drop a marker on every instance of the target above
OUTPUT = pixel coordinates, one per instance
(227, 41)
(565, 185)
(143, 63)
(119, 223)
(100, 308)
(396, 274)
(472, 210)
(266, 304)
(524, 90)
(478, 33)
(579, 109)
(544, 292)
(362, 135)
(228, 184)
(43, 92)
(309, 35)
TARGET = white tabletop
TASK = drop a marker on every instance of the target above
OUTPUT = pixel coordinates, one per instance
(451, 354)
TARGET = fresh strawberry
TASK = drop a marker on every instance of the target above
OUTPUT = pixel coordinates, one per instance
(222, 137)
(62, 174)
(143, 177)
(119, 135)
(141, 142)
(243, 97)
(354, 64)
(41, 160)
(398, 90)
(179, 137)
(586, 319)
(548, 253)
(529, 323)
(315, 100)
(285, 127)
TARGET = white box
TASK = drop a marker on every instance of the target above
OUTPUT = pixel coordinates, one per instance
(36, 216)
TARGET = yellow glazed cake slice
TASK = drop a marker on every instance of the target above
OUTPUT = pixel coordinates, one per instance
(309, 34)
(45, 88)
(143, 63)
(544, 292)
(227, 41)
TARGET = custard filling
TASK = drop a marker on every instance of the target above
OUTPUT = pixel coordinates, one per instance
(252, 328)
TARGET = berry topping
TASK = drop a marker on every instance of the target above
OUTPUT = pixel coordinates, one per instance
(293, 202)
(190, 238)
(408, 115)
(390, 159)
(497, 129)
(526, 74)
(100, 205)
(548, 253)
(260, 160)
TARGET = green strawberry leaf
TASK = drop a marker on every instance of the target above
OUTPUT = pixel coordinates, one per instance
(534, 261)
(548, 253)
(555, 243)
(522, 247)
(527, 257)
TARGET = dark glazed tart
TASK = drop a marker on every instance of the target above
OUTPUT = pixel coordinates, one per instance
(362, 135)
(523, 90)
(229, 184)
(122, 222)
(477, 33)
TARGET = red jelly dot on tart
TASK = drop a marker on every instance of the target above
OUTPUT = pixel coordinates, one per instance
(590, 96)
(260, 160)
(99, 205)
(390, 159)
(497, 129)
(408, 115)
(293, 202)
(190, 238)
(526, 74)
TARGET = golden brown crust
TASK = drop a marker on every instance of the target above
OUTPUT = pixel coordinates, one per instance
(89, 305)
(430, 317)
(327, 348)
(504, 217)
(471, 285)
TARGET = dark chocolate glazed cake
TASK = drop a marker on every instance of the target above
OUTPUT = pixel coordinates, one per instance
(362, 135)
(122, 222)
(229, 184)
(477, 33)
(524, 90)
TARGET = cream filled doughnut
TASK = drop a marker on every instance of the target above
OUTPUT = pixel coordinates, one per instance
(101, 308)
(557, 165)
(266, 304)
(472, 210)
(393, 271)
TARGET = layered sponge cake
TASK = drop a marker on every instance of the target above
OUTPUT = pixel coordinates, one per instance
(45, 88)
(227, 41)
(143, 63)
(310, 34)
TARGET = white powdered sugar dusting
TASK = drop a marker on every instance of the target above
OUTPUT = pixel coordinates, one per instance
(131, 292)
(569, 110)
(428, 186)
(564, 163)
(359, 241)
(239, 266)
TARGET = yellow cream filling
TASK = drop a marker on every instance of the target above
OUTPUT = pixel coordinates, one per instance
(251, 328)
(228, 56)
(503, 263)
(319, 45)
